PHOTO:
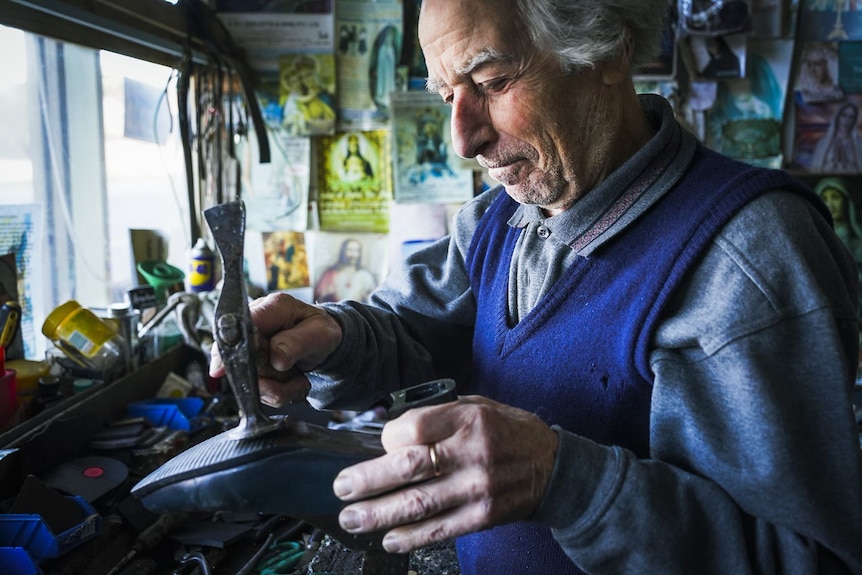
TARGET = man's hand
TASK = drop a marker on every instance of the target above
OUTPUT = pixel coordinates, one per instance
(292, 337)
(449, 469)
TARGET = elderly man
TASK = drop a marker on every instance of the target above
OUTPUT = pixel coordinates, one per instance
(654, 345)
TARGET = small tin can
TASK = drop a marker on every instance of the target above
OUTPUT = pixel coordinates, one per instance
(201, 264)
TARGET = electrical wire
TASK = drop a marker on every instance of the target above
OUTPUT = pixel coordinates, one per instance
(163, 100)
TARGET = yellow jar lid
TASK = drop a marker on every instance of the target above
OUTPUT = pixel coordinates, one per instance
(56, 317)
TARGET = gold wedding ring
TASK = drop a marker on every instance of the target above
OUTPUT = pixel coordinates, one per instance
(435, 461)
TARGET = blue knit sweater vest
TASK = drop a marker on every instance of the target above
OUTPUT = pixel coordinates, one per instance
(579, 359)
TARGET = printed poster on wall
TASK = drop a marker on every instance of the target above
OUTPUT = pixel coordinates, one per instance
(20, 242)
(354, 181)
(826, 20)
(426, 168)
(817, 75)
(369, 38)
(268, 30)
(346, 266)
(842, 194)
(277, 261)
(276, 193)
(827, 137)
(306, 96)
(745, 121)
(290, 47)
(286, 260)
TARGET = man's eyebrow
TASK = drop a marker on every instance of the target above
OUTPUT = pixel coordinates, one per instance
(434, 86)
(484, 57)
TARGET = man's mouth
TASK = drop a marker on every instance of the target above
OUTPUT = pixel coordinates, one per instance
(505, 171)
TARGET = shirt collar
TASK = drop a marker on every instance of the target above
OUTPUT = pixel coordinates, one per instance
(627, 192)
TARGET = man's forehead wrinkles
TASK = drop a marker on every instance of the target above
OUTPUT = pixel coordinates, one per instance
(484, 57)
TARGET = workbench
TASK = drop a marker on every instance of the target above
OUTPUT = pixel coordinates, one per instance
(206, 543)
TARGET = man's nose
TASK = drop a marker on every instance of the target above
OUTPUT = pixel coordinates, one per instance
(471, 125)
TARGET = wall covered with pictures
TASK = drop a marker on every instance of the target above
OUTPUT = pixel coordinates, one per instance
(778, 83)
(361, 171)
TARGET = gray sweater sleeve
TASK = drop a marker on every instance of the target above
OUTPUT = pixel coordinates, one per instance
(755, 463)
(418, 326)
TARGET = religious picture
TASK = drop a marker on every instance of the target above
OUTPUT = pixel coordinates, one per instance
(415, 225)
(354, 181)
(817, 77)
(21, 269)
(347, 266)
(307, 94)
(384, 58)
(271, 32)
(427, 170)
(368, 50)
(827, 138)
(842, 195)
(286, 260)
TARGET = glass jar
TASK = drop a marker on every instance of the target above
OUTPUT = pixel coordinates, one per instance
(85, 339)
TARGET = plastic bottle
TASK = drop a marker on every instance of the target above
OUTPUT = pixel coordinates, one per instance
(201, 264)
(85, 339)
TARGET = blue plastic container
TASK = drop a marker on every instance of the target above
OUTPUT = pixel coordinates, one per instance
(174, 413)
(16, 561)
(30, 532)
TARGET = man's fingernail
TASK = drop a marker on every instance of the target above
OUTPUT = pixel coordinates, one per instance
(392, 543)
(349, 519)
(279, 359)
(341, 486)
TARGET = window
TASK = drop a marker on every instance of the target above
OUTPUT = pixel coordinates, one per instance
(94, 142)
(93, 148)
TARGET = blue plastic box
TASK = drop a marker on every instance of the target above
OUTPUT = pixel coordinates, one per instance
(16, 561)
(174, 413)
(32, 533)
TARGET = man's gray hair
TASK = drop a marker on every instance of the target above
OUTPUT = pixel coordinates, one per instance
(583, 33)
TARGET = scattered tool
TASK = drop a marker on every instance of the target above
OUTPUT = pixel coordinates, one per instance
(234, 332)
(197, 556)
(281, 557)
(150, 537)
(10, 320)
(275, 464)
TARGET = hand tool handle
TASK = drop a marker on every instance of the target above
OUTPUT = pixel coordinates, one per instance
(10, 320)
(234, 332)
